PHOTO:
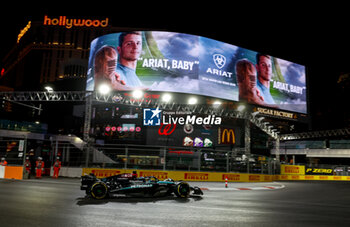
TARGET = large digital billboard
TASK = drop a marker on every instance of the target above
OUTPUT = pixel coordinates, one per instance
(177, 62)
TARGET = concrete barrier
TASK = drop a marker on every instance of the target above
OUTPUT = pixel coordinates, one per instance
(11, 172)
(2, 172)
(75, 172)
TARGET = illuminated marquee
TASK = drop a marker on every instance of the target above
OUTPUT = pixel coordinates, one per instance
(69, 23)
(24, 31)
(276, 113)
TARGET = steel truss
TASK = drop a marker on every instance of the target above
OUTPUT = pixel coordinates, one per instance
(120, 98)
(32, 96)
(316, 134)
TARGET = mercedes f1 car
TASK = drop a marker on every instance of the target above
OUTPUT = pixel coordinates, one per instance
(130, 185)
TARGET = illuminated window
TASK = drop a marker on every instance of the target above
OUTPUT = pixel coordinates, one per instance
(74, 71)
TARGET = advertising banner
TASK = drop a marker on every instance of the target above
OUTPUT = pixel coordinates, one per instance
(319, 171)
(229, 134)
(182, 175)
(176, 62)
(292, 170)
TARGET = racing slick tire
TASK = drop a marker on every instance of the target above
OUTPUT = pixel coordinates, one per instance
(99, 190)
(182, 190)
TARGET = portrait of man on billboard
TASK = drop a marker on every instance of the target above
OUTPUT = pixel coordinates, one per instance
(117, 66)
(129, 50)
(247, 78)
(264, 69)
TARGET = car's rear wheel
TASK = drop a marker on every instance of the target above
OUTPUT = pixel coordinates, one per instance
(182, 190)
(99, 190)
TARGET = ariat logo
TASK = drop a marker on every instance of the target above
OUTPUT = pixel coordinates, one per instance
(219, 60)
(69, 23)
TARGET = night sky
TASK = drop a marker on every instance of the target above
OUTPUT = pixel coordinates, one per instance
(316, 36)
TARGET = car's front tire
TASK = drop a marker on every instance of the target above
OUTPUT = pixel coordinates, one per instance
(182, 190)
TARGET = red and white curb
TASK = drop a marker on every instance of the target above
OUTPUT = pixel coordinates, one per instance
(267, 187)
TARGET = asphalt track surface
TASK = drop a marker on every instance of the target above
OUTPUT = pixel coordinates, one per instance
(60, 202)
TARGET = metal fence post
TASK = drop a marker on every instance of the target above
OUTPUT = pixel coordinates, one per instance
(87, 122)
(164, 156)
(248, 164)
(227, 161)
(126, 157)
(24, 150)
(199, 160)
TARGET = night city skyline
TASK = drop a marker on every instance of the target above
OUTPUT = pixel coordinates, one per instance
(174, 113)
(316, 41)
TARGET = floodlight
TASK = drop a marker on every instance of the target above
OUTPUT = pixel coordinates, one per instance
(166, 97)
(49, 89)
(192, 101)
(217, 103)
(240, 108)
(104, 89)
(137, 94)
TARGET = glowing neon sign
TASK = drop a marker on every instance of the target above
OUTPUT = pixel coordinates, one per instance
(69, 23)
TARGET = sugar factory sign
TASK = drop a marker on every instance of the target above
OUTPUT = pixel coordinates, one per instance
(71, 22)
(276, 113)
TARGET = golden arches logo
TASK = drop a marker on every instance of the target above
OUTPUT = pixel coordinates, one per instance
(227, 136)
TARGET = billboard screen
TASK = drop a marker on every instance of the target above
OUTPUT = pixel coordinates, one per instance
(177, 62)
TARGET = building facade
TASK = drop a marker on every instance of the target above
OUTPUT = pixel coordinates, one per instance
(50, 50)
(54, 51)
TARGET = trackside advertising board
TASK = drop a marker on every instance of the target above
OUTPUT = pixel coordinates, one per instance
(292, 170)
(210, 176)
(182, 175)
(176, 62)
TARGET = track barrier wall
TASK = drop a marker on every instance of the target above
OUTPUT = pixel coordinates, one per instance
(183, 175)
(11, 172)
(2, 172)
(312, 177)
(301, 172)
(16, 172)
(210, 176)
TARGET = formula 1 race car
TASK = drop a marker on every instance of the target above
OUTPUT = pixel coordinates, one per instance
(130, 185)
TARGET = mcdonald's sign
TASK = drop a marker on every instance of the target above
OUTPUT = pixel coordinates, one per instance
(226, 136)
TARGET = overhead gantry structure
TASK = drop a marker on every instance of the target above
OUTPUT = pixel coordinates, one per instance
(120, 98)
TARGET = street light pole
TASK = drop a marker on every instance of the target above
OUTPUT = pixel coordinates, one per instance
(87, 124)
